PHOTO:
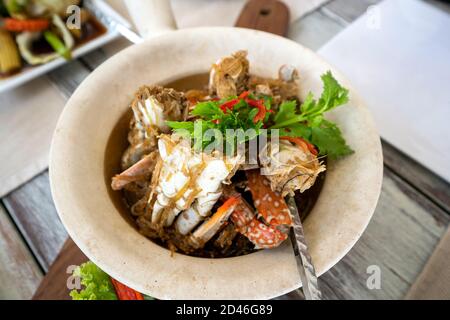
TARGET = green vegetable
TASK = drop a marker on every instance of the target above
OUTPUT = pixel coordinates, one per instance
(306, 122)
(211, 116)
(57, 45)
(97, 284)
(309, 123)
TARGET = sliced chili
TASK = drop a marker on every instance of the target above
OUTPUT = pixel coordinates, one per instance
(261, 107)
(125, 293)
(244, 94)
(302, 143)
(228, 105)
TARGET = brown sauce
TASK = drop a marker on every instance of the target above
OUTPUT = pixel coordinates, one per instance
(117, 144)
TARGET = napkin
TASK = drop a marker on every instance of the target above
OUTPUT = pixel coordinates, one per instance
(397, 56)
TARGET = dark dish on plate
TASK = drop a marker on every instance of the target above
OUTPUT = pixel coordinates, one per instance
(34, 32)
(207, 170)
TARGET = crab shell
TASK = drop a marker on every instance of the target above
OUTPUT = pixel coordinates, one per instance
(288, 167)
(229, 76)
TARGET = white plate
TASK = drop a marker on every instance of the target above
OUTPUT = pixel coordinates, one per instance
(30, 72)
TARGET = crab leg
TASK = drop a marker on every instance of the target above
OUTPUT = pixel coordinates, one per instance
(261, 235)
(134, 173)
(270, 205)
(191, 217)
(210, 183)
(210, 227)
(189, 182)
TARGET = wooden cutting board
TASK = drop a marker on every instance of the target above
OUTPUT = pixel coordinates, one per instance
(265, 15)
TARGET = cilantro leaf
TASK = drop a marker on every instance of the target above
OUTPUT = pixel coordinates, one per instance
(330, 141)
(309, 122)
(207, 110)
(286, 111)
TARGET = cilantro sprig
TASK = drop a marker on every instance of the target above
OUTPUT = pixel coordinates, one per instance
(308, 121)
(240, 115)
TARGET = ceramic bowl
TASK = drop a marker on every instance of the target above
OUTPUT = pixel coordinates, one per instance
(82, 196)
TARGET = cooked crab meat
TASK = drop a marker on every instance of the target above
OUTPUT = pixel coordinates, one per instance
(188, 181)
(214, 175)
(229, 76)
(289, 166)
(151, 106)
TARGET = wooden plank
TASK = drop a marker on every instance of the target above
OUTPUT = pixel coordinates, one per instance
(68, 77)
(434, 187)
(32, 209)
(54, 286)
(399, 240)
(19, 273)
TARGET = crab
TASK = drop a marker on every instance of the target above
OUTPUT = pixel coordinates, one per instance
(151, 106)
(229, 76)
(184, 197)
(189, 185)
(290, 165)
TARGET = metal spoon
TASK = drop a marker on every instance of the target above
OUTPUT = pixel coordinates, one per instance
(304, 261)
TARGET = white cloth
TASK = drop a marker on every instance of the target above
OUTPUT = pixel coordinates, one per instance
(397, 56)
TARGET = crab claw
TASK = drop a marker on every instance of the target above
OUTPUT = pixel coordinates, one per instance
(261, 235)
(270, 205)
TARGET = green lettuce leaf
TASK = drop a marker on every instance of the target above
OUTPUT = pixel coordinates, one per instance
(97, 284)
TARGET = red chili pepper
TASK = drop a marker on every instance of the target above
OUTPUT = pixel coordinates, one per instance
(261, 107)
(228, 105)
(16, 25)
(302, 143)
(125, 293)
(244, 95)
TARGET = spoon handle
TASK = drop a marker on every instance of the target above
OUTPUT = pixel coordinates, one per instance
(303, 258)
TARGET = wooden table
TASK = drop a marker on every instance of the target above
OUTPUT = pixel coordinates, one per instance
(411, 216)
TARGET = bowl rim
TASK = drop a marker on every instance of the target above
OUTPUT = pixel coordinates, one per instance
(92, 254)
